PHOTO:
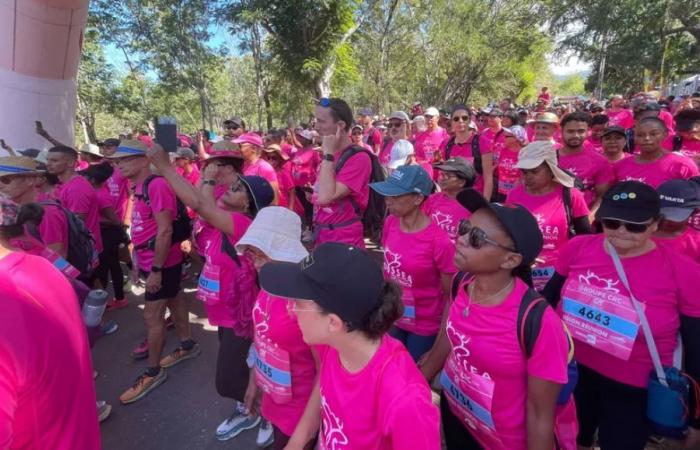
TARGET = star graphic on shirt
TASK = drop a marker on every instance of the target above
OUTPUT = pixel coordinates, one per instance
(442, 219)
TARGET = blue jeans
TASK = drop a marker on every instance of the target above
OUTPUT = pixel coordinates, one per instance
(416, 344)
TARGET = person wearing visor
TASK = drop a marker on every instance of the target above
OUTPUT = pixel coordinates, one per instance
(369, 394)
(679, 200)
(499, 391)
(548, 193)
(417, 256)
(442, 207)
(614, 144)
(594, 299)
(227, 284)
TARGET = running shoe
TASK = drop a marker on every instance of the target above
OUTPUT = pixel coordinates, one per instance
(117, 304)
(266, 435)
(236, 423)
(141, 350)
(179, 355)
(144, 384)
(104, 409)
(109, 328)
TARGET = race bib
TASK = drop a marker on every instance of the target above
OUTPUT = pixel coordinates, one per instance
(60, 263)
(209, 287)
(603, 319)
(470, 397)
(272, 369)
(408, 321)
(541, 275)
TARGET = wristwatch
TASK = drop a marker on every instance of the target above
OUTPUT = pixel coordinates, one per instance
(328, 157)
(209, 182)
(156, 269)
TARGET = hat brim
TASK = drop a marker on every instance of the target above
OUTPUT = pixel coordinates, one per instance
(285, 279)
(606, 133)
(608, 211)
(277, 249)
(4, 173)
(279, 152)
(225, 154)
(472, 200)
(387, 189)
(675, 214)
(119, 155)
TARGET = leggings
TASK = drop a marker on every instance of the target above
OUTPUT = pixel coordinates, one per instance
(457, 437)
(112, 237)
(232, 371)
(616, 410)
(306, 204)
(416, 344)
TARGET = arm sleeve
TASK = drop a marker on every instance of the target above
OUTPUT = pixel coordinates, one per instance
(412, 421)
(356, 172)
(549, 357)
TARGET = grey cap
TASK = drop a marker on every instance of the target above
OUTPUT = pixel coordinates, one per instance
(459, 166)
(400, 115)
(184, 152)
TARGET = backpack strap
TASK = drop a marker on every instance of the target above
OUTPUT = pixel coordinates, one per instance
(457, 280)
(347, 154)
(566, 198)
(144, 189)
(530, 312)
(229, 249)
(476, 155)
(677, 143)
(448, 147)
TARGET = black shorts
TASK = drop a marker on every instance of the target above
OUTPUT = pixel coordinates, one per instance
(170, 284)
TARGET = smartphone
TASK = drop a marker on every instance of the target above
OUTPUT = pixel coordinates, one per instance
(166, 133)
(38, 124)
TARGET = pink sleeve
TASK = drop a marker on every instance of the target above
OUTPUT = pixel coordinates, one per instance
(104, 200)
(162, 197)
(78, 198)
(8, 394)
(53, 228)
(484, 144)
(444, 253)
(690, 169)
(269, 174)
(549, 357)
(412, 421)
(686, 272)
(604, 174)
(578, 204)
(355, 173)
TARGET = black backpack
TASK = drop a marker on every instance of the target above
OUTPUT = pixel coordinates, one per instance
(373, 217)
(476, 152)
(182, 225)
(568, 210)
(81, 252)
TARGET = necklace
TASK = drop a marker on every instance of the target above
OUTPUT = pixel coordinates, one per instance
(470, 291)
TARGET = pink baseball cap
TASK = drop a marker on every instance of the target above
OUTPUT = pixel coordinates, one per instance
(249, 138)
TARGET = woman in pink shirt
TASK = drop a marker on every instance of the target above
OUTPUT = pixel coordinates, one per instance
(417, 256)
(500, 389)
(227, 284)
(442, 207)
(285, 366)
(548, 193)
(653, 165)
(304, 170)
(514, 139)
(279, 161)
(369, 393)
(614, 141)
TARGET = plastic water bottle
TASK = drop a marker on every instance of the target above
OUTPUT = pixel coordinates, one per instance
(94, 306)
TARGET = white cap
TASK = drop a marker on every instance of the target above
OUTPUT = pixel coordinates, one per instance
(275, 231)
(91, 149)
(432, 111)
(400, 151)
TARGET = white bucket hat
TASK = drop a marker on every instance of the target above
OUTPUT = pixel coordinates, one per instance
(275, 231)
(535, 154)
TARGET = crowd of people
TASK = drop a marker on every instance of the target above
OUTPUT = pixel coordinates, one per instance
(536, 289)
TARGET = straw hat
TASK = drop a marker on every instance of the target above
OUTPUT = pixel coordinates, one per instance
(17, 165)
(129, 148)
(276, 231)
(225, 149)
(91, 149)
(274, 148)
(533, 155)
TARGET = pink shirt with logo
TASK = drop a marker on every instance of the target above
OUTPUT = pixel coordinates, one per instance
(689, 147)
(261, 168)
(591, 167)
(192, 177)
(305, 166)
(355, 175)
(274, 322)
(78, 196)
(427, 144)
(549, 211)
(53, 228)
(664, 281)
(484, 342)
(508, 174)
(464, 150)
(118, 187)
(621, 118)
(143, 222)
(416, 262)
(668, 167)
(47, 393)
(384, 406)
(491, 142)
(446, 212)
(385, 153)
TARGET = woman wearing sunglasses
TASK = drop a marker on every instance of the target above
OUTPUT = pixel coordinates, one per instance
(279, 161)
(548, 193)
(613, 358)
(494, 395)
(227, 284)
(417, 255)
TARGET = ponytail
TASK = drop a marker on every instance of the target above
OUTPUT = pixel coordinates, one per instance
(390, 309)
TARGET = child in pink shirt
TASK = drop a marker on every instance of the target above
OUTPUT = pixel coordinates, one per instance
(369, 393)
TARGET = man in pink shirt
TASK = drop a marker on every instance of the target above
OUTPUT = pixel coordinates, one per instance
(251, 145)
(159, 261)
(370, 135)
(544, 127)
(598, 125)
(586, 164)
(619, 115)
(234, 128)
(340, 196)
(185, 165)
(427, 143)
(74, 192)
(117, 185)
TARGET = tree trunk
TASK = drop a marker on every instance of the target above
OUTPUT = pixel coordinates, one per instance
(268, 109)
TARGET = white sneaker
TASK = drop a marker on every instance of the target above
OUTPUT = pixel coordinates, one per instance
(266, 435)
(236, 423)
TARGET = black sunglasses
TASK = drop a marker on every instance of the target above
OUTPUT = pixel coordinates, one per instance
(636, 228)
(395, 124)
(231, 127)
(477, 236)
(461, 119)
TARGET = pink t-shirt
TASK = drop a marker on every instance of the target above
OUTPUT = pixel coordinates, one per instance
(355, 175)
(118, 187)
(231, 311)
(372, 137)
(446, 212)
(192, 177)
(508, 174)
(491, 142)
(549, 211)
(286, 184)
(53, 228)
(687, 243)
(289, 149)
(668, 119)
(593, 144)
(416, 262)
(47, 394)
(143, 222)
(591, 167)
(81, 165)
(261, 168)
(668, 167)
(384, 406)
(428, 143)
(274, 323)
(305, 166)
(104, 201)
(665, 282)
(689, 147)
(485, 349)
(385, 153)
(78, 196)
(621, 118)
(464, 150)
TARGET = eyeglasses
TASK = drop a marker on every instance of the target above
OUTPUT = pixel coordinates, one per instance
(636, 228)
(231, 127)
(395, 124)
(477, 236)
(461, 119)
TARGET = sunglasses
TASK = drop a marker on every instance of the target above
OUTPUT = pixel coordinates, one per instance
(477, 237)
(237, 187)
(636, 228)
(325, 102)
(460, 119)
(395, 124)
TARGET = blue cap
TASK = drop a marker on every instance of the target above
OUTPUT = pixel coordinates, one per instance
(405, 180)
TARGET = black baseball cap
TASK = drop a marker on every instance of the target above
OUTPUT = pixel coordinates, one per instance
(679, 199)
(630, 201)
(519, 223)
(111, 142)
(340, 278)
(259, 191)
(614, 129)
